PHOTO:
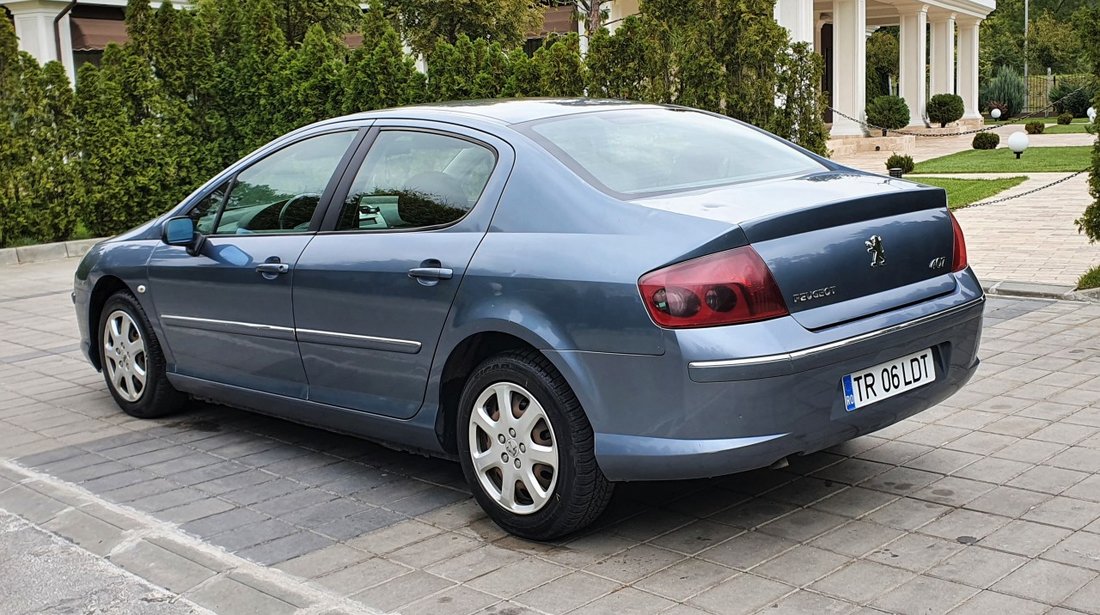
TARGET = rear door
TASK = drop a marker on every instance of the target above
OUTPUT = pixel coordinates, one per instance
(372, 291)
(226, 313)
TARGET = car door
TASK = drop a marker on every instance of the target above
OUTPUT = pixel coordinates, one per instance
(373, 289)
(226, 312)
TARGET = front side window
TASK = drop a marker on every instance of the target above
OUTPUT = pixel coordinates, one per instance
(280, 193)
(414, 180)
(644, 151)
(205, 212)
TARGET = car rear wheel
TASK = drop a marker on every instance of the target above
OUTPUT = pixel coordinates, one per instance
(527, 449)
(132, 362)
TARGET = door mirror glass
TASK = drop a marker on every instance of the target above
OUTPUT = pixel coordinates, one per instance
(179, 231)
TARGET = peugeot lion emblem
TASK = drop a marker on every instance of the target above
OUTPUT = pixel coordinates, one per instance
(877, 251)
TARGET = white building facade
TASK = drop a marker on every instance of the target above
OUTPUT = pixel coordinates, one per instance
(944, 31)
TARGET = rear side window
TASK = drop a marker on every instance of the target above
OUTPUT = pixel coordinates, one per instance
(640, 151)
(415, 180)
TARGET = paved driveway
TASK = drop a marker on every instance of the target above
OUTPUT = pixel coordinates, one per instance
(988, 503)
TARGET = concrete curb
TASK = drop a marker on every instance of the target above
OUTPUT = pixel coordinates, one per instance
(47, 251)
(1039, 290)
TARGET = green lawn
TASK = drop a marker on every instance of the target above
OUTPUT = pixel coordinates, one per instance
(1053, 118)
(963, 192)
(1064, 129)
(1002, 160)
(1089, 279)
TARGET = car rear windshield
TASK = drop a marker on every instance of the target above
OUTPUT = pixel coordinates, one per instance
(642, 151)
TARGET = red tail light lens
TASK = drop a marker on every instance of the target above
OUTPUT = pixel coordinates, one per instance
(724, 288)
(958, 256)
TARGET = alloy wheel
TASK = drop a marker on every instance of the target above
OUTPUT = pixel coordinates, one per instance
(513, 449)
(124, 356)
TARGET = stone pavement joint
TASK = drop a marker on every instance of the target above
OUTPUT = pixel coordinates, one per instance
(183, 565)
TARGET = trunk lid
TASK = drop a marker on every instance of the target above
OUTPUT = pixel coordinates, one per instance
(841, 245)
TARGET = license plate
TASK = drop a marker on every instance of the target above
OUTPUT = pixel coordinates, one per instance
(886, 380)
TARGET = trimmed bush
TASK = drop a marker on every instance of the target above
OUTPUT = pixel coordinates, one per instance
(1073, 95)
(898, 161)
(1006, 91)
(945, 108)
(986, 140)
(1034, 128)
(888, 112)
(1065, 118)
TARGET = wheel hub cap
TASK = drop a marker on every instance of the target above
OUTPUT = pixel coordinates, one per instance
(513, 449)
(125, 356)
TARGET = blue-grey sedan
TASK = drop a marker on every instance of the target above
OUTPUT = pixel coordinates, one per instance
(561, 294)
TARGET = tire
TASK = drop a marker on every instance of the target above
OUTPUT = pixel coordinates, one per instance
(132, 362)
(546, 502)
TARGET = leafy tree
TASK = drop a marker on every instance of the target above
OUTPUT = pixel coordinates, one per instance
(427, 22)
(560, 67)
(381, 75)
(882, 62)
(1053, 44)
(296, 17)
(523, 76)
(799, 118)
(1087, 22)
(310, 81)
(617, 63)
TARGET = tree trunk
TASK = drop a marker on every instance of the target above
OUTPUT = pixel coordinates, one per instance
(593, 24)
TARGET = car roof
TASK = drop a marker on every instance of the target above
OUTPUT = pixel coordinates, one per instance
(503, 111)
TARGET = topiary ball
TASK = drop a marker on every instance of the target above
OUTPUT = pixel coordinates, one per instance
(986, 140)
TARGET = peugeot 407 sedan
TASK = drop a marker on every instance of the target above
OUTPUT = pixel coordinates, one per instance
(561, 294)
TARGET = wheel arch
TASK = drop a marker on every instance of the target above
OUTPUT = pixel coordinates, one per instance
(105, 287)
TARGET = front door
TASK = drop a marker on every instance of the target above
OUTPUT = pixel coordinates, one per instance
(372, 291)
(226, 313)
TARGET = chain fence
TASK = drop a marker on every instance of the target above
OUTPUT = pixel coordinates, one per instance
(1007, 121)
(1027, 192)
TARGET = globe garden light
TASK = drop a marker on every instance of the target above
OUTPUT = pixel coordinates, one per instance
(995, 113)
(1091, 113)
(1017, 142)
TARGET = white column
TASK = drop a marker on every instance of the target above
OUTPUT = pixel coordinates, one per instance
(912, 51)
(942, 62)
(968, 66)
(849, 65)
(620, 10)
(818, 22)
(34, 27)
(797, 16)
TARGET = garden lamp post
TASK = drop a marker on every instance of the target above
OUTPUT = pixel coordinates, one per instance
(995, 113)
(1092, 114)
(1017, 142)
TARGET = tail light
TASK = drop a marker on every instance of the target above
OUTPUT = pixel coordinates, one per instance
(958, 256)
(724, 288)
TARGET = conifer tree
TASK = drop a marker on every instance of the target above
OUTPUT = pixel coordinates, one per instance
(311, 81)
(382, 75)
(561, 70)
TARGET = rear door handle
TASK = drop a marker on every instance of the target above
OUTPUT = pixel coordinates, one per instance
(273, 268)
(431, 273)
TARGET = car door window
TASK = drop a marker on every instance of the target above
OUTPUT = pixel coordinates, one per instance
(205, 212)
(280, 193)
(412, 180)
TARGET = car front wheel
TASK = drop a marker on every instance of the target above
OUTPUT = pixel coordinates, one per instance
(527, 449)
(132, 362)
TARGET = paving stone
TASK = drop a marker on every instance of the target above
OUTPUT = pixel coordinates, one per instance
(457, 600)
(359, 576)
(162, 567)
(915, 552)
(634, 563)
(253, 534)
(225, 595)
(1047, 479)
(1025, 538)
(861, 581)
(518, 577)
(475, 563)
(988, 602)
(394, 537)
(224, 521)
(92, 534)
(856, 538)
(324, 561)
(964, 524)
(30, 504)
(1079, 549)
(804, 602)
(801, 565)
(924, 596)
(854, 502)
(908, 513)
(626, 601)
(1065, 512)
(1087, 598)
(567, 593)
(802, 524)
(1008, 501)
(685, 579)
(744, 593)
(747, 550)
(194, 510)
(695, 536)
(402, 590)
(1044, 581)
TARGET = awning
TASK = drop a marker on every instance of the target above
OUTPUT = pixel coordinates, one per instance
(94, 34)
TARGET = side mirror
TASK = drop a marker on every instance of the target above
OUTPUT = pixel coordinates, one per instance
(180, 231)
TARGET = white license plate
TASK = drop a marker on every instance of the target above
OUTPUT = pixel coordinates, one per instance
(886, 380)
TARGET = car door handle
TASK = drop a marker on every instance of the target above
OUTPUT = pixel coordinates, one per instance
(431, 273)
(272, 268)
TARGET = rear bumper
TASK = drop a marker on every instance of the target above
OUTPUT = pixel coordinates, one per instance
(671, 417)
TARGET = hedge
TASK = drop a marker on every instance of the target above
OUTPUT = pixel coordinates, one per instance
(194, 90)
